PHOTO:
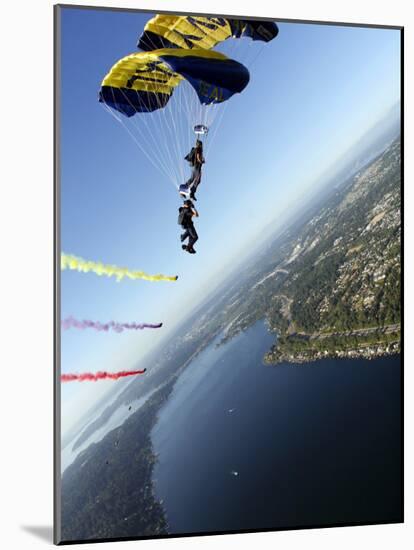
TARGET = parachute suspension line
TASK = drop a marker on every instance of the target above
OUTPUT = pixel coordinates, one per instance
(229, 48)
(157, 167)
(189, 113)
(170, 136)
(187, 117)
(186, 127)
(171, 139)
(174, 141)
(214, 121)
(156, 146)
(189, 110)
(175, 133)
(183, 98)
(175, 137)
(156, 142)
(160, 164)
(158, 133)
(187, 121)
(184, 105)
(179, 134)
(217, 124)
(253, 60)
(249, 64)
(162, 135)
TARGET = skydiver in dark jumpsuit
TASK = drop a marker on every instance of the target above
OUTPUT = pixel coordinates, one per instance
(187, 224)
(196, 160)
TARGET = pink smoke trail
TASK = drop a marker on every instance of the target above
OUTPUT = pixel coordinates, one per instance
(71, 322)
(100, 375)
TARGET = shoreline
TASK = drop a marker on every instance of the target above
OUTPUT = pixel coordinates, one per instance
(275, 357)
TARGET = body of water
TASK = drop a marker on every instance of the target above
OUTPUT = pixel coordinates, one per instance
(243, 445)
(69, 454)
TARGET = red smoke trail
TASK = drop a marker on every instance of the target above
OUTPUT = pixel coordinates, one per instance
(100, 375)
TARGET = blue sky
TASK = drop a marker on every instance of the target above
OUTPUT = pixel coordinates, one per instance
(313, 92)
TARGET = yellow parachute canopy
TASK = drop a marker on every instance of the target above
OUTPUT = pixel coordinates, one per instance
(185, 32)
(143, 71)
(188, 31)
(145, 81)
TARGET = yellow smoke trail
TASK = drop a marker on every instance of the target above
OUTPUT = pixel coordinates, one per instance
(68, 261)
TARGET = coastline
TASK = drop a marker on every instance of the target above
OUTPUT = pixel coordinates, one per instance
(277, 357)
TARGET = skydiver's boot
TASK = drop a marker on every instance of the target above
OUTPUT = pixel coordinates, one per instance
(184, 246)
(191, 250)
(183, 191)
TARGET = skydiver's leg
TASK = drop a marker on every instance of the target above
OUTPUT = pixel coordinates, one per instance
(190, 181)
(184, 235)
(195, 175)
(196, 182)
(193, 237)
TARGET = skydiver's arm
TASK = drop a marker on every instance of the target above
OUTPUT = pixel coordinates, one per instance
(196, 214)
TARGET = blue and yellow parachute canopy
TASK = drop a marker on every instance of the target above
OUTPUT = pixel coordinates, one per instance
(145, 81)
(189, 32)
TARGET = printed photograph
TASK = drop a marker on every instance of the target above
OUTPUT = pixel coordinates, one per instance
(229, 288)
